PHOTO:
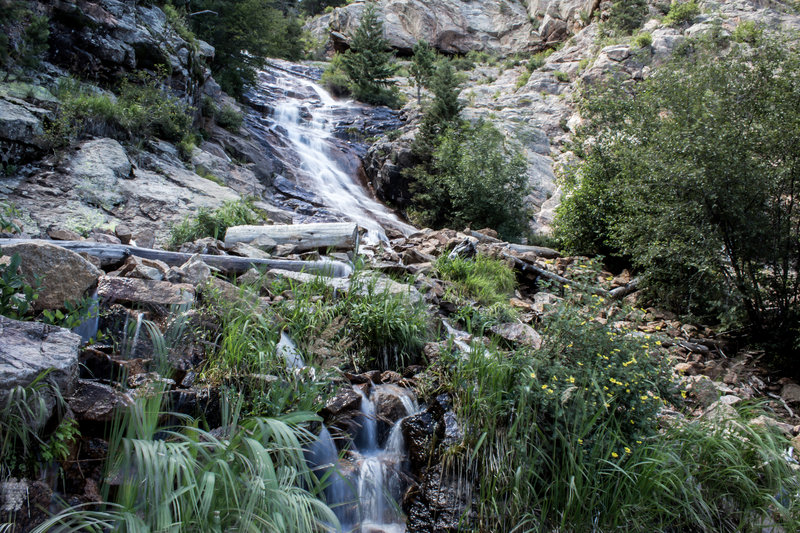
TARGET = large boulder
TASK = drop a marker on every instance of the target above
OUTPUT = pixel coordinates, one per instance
(20, 131)
(30, 348)
(63, 274)
(144, 291)
(451, 26)
(97, 168)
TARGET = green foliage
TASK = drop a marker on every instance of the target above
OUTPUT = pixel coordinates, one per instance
(522, 80)
(642, 39)
(626, 16)
(229, 118)
(335, 78)
(538, 59)
(244, 33)
(16, 296)
(476, 179)
(253, 476)
(369, 62)
(561, 76)
(73, 315)
(690, 177)
(57, 447)
(747, 32)
(208, 223)
(423, 65)
(682, 13)
(7, 213)
(315, 7)
(23, 34)
(485, 280)
(145, 107)
(24, 412)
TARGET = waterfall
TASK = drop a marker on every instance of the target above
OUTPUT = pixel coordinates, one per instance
(287, 349)
(304, 114)
(368, 498)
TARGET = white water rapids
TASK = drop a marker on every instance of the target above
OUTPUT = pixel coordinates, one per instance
(304, 113)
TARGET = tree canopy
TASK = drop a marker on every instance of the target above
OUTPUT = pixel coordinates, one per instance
(693, 174)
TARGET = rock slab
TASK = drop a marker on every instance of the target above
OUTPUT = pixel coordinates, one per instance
(143, 291)
(64, 275)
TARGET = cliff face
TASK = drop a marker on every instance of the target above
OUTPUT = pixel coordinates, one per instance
(535, 107)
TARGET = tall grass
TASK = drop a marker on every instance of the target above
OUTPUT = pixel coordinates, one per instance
(212, 223)
(567, 439)
(249, 476)
(485, 280)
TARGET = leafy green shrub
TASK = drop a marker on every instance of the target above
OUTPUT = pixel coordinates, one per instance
(522, 80)
(747, 32)
(627, 15)
(16, 296)
(7, 213)
(681, 13)
(229, 118)
(335, 78)
(483, 279)
(476, 179)
(23, 35)
(144, 108)
(73, 314)
(704, 220)
(539, 59)
(561, 76)
(208, 223)
(642, 40)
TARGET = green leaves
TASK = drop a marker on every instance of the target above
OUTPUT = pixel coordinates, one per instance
(16, 296)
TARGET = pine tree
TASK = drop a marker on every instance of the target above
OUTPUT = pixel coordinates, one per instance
(422, 66)
(369, 62)
(442, 113)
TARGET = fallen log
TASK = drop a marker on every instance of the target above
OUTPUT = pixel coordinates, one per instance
(337, 235)
(540, 251)
(110, 255)
(614, 294)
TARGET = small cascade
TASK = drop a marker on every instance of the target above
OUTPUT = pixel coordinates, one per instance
(287, 349)
(88, 328)
(365, 489)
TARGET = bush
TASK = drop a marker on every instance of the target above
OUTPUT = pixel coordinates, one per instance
(476, 179)
(335, 78)
(681, 13)
(16, 296)
(539, 59)
(214, 224)
(642, 40)
(747, 32)
(144, 108)
(561, 76)
(522, 80)
(229, 118)
(23, 35)
(627, 16)
(688, 177)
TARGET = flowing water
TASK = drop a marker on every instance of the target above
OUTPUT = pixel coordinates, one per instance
(304, 114)
(365, 487)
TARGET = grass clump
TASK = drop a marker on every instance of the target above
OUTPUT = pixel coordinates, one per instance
(642, 40)
(208, 223)
(229, 118)
(561, 76)
(485, 280)
(250, 476)
(522, 80)
(144, 108)
(681, 13)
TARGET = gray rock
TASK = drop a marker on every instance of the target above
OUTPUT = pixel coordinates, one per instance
(96, 402)
(195, 271)
(64, 275)
(97, 168)
(18, 124)
(791, 393)
(30, 348)
(141, 291)
(518, 333)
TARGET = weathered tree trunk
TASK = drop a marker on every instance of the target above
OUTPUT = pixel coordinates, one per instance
(339, 235)
(113, 254)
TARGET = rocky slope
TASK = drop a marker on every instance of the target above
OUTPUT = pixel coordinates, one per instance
(536, 109)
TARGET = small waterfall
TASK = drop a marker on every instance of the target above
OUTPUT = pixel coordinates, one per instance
(88, 328)
(368, 498)
(367, 439)
(287, 349)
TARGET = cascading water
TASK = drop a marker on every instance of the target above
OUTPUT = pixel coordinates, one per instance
(304, 114)
(367, 500)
